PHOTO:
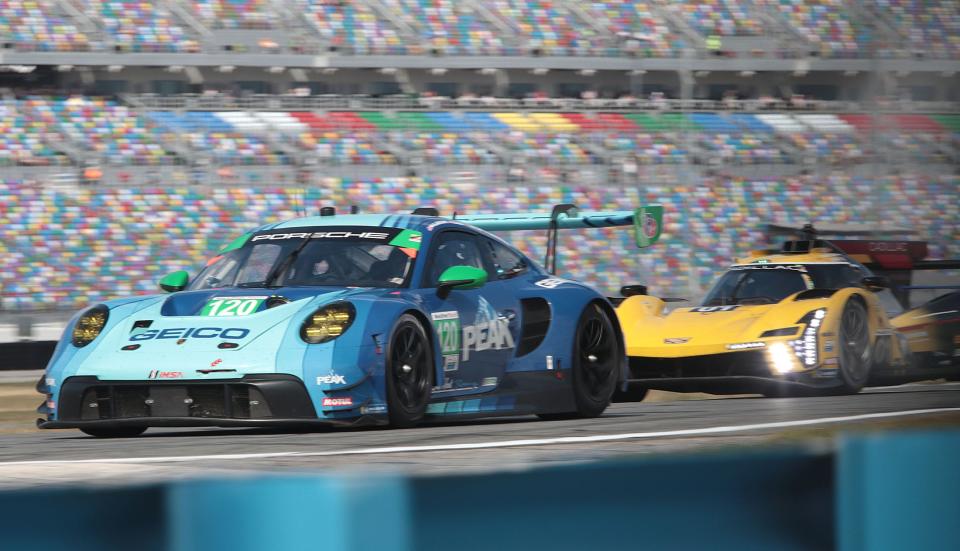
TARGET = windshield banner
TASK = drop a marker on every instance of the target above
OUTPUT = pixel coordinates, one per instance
(360, 233)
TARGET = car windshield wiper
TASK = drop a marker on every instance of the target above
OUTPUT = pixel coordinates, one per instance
(285, 263)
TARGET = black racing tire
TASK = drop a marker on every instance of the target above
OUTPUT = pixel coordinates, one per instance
(634, 393)
(113, 432)
(597, 363)
(881, 358)
(853, 340)
(409, 368)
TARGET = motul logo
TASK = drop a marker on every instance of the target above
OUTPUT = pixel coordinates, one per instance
(337, 402)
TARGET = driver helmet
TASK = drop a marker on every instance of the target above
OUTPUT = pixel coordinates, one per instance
(320, 267)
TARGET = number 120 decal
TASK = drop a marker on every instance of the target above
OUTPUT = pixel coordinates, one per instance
(231, 306)
(447, 325)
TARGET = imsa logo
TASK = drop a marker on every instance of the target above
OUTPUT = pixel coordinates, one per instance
(165, 375)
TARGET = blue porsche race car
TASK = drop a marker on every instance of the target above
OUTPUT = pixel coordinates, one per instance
(345, 319)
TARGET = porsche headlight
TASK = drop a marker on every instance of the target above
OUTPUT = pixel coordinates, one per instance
(89, 325)
(327, 323)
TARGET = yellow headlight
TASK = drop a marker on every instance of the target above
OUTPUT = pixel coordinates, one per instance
(327, 323)
(89, 325)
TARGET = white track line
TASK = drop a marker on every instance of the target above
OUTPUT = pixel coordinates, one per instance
(919, 387)
(505, 443)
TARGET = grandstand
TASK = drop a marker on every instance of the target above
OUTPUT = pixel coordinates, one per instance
(656, 28)
(135, 137)
(69, 247)
(83, 131)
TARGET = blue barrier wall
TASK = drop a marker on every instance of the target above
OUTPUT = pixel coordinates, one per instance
(890, 491)
(899, 492)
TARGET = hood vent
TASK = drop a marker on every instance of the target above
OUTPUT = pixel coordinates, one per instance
(275, 301)
(810, 294)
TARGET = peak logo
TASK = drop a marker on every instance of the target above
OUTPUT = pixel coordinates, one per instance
(331, 379)
(493, 334)
(183, 333)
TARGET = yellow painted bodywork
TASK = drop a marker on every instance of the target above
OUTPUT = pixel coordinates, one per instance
(650, 331)
(915, 325)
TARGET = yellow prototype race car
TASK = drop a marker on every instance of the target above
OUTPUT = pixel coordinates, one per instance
(806, 320)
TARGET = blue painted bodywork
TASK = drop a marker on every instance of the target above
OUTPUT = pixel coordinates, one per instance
(485, 381)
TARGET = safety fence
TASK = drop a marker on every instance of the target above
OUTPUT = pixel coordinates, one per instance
(884, 491)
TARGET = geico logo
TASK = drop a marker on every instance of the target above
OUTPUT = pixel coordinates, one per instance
(887, 247)
(231, 333)
(486, 335)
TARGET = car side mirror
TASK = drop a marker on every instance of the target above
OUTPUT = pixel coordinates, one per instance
(175, 281)
(631, 290)
(875, 283)
(460, 277)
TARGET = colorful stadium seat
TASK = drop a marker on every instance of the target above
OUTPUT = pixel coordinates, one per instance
(72, 248)
(140, 26)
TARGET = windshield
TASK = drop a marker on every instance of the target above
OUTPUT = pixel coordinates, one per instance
(770, 283)
(325, 256)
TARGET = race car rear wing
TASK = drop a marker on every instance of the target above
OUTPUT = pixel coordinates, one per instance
(647, 222)
(894, 259)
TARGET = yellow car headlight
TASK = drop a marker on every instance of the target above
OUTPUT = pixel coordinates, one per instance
(89, 325)
(781, 357)
(327, 323)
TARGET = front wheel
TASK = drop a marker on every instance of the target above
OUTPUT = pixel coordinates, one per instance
(854, 336)
(597, 362)
(408, 372)
(117, 432)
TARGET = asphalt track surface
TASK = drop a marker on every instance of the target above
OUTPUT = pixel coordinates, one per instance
(68, 456)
